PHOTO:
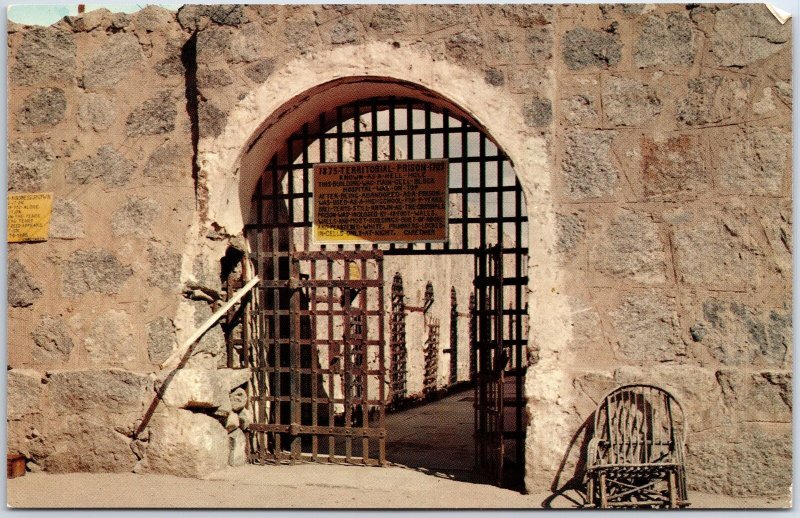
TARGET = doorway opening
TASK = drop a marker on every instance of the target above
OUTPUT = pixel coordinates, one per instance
(334, 349)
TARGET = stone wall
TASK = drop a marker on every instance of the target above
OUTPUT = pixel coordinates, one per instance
(652, 143)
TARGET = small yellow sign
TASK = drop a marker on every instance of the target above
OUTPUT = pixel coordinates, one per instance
(29, 216)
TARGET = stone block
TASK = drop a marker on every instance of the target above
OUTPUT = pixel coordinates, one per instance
(494, 77)
(438, 17)
(758, 396)
(391, 19)
(43, 107)
(30, 165)
(84, 445)
(747, 33)
(213, 78)
(25, 437)
(113, 62)
(161, 339)
(713, 99)
(165, 267)
(212, 120)
(673, 166)
(539, 44)
(211, 43)
(22, 289)
(172, 65)
(196, 388)
(108, 165)
(260, 70)
(107, 395)
(46, 55)
(226, 14)
(537, 112)
(51, 340)
(66, 220)
(231, 422)
(343, 31)
(93, 271)
(587, 166)
(582, 48)
(238, 399)
(300, 33)
(212, 343)
(245, 418)
(571, 229)
(233, 378)
(236, 442)
(110, 339)
(152, 18)
(647, 328)
(187, 444)
(776, 219)
(580, 110)
(135, 217)
(169, 162)
(756, 162)
(24, 393)
(155, 116)
(628, 102)
(207, 273)
(666, 41)
(630, 248)
(96, 112)
(465, 47)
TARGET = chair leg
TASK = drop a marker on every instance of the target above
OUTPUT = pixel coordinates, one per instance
(590, 492)
(603, 496)
(673, 490)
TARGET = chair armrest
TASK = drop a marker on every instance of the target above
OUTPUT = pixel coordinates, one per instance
(591, 453)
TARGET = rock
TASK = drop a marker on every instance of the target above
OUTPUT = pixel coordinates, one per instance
(438, 17)
(169, 162)
(23, 437)
(213, 341)
(43, 107)
(582, 47)
(195, 388)
(237, 455)
(522, 15)
(84, 445)
(758, 396)
(344, 31)
(232, 14)
(246, 45)
(537, 112)
(571, 229)
(260, 70)
(744, 34)
(207, 274)
(66, 220)
(24, 393)
(755, 162)
(647, 328)
(212, 43)
(738, 334)
(776, 219)
(539, 44)
(165, 267)
(579, 110)
(161, 339)
(46, 55)
(155, 116)
(528, 80)
(630, 248)
(213, 78)
(713, 99)
(301, 34)
(93, 271)
(674, 166)
(153, 18)
(108, 395)
(110, 339)
(234, 378)
(22, 289)
(587, 166)
(665, 42)
(51, 340)
(238, 399)
(30, 165)
(765, 104)
(494, 77)
(113, 62)
(212, 120)
(172, 65)
(186, 444)
(96, 112)
(245, 418)
(503, 46)
(628, 102)
(465, 47)
(87, 22)
(231, 422)
(391, 19)
(135, 217)
(107, 165)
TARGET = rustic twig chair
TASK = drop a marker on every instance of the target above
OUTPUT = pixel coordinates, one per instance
(635, 457)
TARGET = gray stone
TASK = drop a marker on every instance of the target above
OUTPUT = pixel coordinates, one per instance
(165, 267)
(647, 328)
(582, 47)
(231, 14)
(466, 46)
(212, 120)
(539, 44)
(93, 271)
(391, 19)
(494, 77)
(30, 165)
(46, 55)
(51, 340)
(234, 378)
(195, 388)
(344, 31)
(713, 99)
(756, 162)
(87, 22)
(207, 273)
(628, 102)
(260, 70)
(301, 34)
(665, 42)
(43, 107)
(107, 165)
(190, 16)
(674, 166)
(537, 112)
(154, 117)
(246, 45)
(172, 65)
(245, 418)
(580, 110)
(238, 399)
(212, 343)
(153, 18)
(110, 339)
(22, 289)
(135, 217)
(66, 220)
(108, 395)
(84, 445)
(212, 43)
(571, 231)
(169, 162)
(24, 393)
(503, 46)
(587, 167)
(437, 17)
(161, 339)
(236, 441)
(231, 422)
(758, 396)
(213, 78)
(523, 15)
(630, 248)
(96, 112)
(24, 437)
(528, 80)
(115, 60)
(744, 34)
(186, 444)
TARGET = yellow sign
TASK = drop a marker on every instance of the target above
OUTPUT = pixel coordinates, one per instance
(29, 216)
(381, 202)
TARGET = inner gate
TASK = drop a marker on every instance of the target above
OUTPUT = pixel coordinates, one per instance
(323, 374)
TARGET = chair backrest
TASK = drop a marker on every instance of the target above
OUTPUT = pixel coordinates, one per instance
(639, 424)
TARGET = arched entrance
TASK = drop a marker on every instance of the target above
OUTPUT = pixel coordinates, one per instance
(322, 368)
